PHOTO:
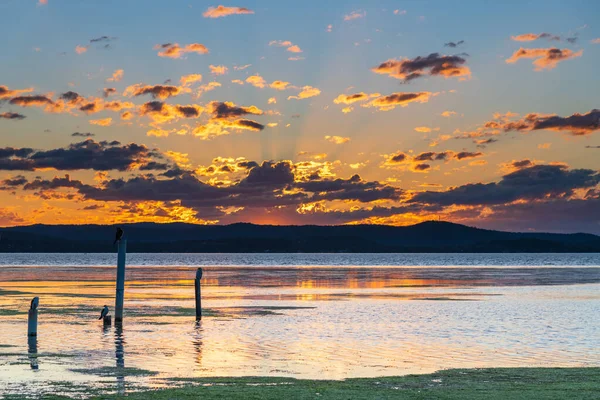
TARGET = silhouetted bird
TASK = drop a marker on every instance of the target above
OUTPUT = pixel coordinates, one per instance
(104, 312)
(35, 302)
(118, 236)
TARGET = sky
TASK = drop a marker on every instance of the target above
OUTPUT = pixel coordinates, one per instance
(364, 112)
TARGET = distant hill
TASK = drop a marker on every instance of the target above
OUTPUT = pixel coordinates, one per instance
(428, 237)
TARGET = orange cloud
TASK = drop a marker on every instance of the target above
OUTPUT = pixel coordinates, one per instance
(544, 58)
(174, 50)
(307, 92)
(207, 88)
(160, 112)
(596, 41)
(222, 11)
(530, 37)
(337, 139)
(402, 99)
(292, 48)
(81, 49)
(156, 91)
(116, 76)
(448, 114)
(187, 80)
(101, 122)
(256, 80)
(279, 85)
(353, 98)
(126, 116)
(237, 81)
(423, 129)
(218, 69)
(272, 100)
(544, 146)
(433, 65)
(355, 15)
(5, 92)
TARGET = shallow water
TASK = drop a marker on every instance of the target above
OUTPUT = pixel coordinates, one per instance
(303, 316)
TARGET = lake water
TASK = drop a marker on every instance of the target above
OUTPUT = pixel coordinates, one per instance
(321, 316)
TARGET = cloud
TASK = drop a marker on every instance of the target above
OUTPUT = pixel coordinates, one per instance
(448, 114)
(174, 50)
(222, 11)
(402, 99)
(31, 101)
(353, 98)
(12, 115)
(279, 85)
(453, 44)
(5, 92)
(81, 49)
(292, 48)
(126, 116)
(530, 37)
(241, 67)
(207, 88)
(187, 80)
(307, 92)
(116, 76)
(156, 91)
(576, 124)
(256, 80)
(544, 58)
(433, 65)
(596, 41)
(329, 28)
(108, 91)
(528, 183)
(355, 15)
(160, 112)
(272, 100)
(399, 12)
(337, 139)
(101, 122)
(226, 116)
(80, 134)
(86, 155)
(218, 69)
(423, 129)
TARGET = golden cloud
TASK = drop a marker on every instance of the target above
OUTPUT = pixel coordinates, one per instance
(353, 98)
(174, 50)
(222, 11)
(187, 80)
(544, 58)
(402, 99)
(307, 92)
(355, 15)
(279, 85)
(256, 80)
(5, 92)
(292, 48)
(337, 139)
(156, 91)
(218, 69)
(116, 76)
(101, 122)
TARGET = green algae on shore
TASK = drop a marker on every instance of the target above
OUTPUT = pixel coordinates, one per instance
(464, 384)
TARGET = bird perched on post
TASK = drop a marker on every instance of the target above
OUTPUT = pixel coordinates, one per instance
(104, 312)
(35, 302)
(118, 236)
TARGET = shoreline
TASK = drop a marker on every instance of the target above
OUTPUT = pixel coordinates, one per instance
(494, 383)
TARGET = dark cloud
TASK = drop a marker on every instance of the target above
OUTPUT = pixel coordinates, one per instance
(522, 163)
(156, 91)
(229, 110)
(80, 134)
(467, 154)
(421, 167)
(592, 147)
(453, 44)
(98, 156)
(13, 183)
(31, 100)
(433, 65)
(12, 115)
(108, 91)
(102, 39)
(576, 124)
(536, 182)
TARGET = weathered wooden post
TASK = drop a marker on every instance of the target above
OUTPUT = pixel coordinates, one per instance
(120, 281)
(107, 320)
(32, 317)
(198, 294)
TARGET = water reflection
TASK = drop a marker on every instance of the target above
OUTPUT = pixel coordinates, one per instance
(197, 342)
(120, 358)
(32, 352)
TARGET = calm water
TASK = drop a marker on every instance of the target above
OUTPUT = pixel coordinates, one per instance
(297, 315)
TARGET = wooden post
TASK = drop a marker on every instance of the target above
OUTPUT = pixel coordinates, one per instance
(198, 294)
(106, 320)
(120, 281)
(32, 317)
